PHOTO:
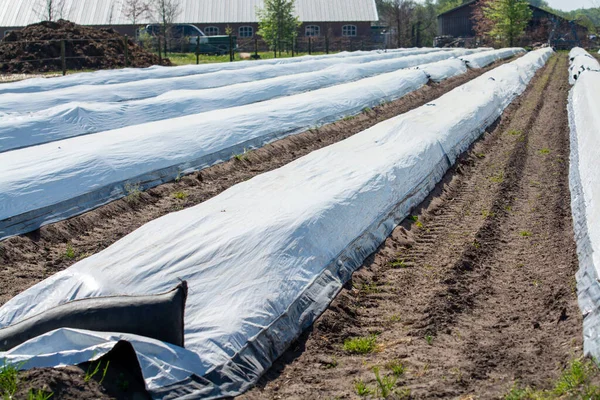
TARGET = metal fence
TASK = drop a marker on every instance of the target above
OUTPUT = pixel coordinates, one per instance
(93, 54)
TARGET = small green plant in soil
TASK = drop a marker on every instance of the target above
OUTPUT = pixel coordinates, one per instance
(332, 364)
(241, 157)
(132, 193)
(395, 318)
(38, 395)
(367, 109)
(525, 233)
(361, 388)
(360, 345)
(575, 382)
(396, 367)
(69, 252)
(180, 195)
(515, 133)
(9, 380)
(94, 370)
(385, 384)
(498, 177)
(429, 339)
(545, 151)
(413, 218)
(369, 288)
(398, 264)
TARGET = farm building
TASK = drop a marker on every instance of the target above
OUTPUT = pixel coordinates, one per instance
(339, 18)
(543, 26)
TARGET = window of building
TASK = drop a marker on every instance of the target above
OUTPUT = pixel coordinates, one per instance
(246, 31)
(313, 30)
(211, 31)
(349, 30)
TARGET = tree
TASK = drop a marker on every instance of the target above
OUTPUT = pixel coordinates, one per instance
(133, 10)
(447, 5)
(482, 25)
(539, 3)
(166, 11)
(50, 10)
(425, 23)
(509, 18)
(278, 23)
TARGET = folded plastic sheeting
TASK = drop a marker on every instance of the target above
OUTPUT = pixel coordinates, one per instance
(437, 71)
(264, 258)
(577, 51)
(74, 119)
(54, 181)
(157, 72)
(26, 102)
(481, 60)
(581, 61)
(584, 119)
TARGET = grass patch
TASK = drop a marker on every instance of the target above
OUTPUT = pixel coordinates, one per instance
(38, 395)
(360, 345)
(9, 380)
(525, 233)
(241, 157)
(369, 288)
(396, 367)
(132, 193)
(575, 382)
(515, 133)
(94, 370)
(367, 109)
(179, 195)
(361, 388)
(487, 213)
(497, 178)
(395, 318)
(544, 151)
(69, 252)
(190, 58)
(385, 384)
(398, 264)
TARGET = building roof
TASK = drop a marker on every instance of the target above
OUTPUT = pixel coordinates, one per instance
(20, 13)
(472, 2)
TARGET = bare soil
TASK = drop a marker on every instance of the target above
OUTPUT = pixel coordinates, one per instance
(482, 293)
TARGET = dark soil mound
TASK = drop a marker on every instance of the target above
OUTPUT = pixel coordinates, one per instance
(37, 48)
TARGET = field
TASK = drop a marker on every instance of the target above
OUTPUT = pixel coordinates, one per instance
(445, 278)
(190, 58)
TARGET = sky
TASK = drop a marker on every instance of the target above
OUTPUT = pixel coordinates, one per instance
(568, 5)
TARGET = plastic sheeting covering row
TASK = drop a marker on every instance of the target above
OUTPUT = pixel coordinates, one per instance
(481, 60)
(74, 119)
(142, 89)
(264, 258)
(53, 181)
(113, 76)
(581, 60)
(47, 183)
(584, 120)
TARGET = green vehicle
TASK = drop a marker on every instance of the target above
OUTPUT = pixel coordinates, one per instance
(184, 38)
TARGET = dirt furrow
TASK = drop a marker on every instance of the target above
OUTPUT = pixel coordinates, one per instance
(28, 259)
(473, 293)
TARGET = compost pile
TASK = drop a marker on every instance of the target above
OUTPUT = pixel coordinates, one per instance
(37, 48)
